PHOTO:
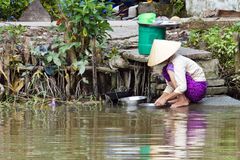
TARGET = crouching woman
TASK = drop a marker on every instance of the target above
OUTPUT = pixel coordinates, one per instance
(185, 79)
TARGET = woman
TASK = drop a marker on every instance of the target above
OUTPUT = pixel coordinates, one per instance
(185, 79)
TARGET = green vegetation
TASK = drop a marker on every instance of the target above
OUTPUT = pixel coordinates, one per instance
(56, 69)
(13, 9)
(219, 41)
(178, 6)
(78, 21)
(83, 39)
(10, 40)
(52, 7)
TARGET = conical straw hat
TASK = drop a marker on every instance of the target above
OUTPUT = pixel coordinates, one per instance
(162, 50)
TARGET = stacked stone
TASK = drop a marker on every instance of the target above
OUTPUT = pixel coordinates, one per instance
(127, 42)
(216, 85)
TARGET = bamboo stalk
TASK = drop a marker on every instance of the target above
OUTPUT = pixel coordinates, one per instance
(114, 81)
(99, 69)
(94, 69)
(237, 56)
(88, 68)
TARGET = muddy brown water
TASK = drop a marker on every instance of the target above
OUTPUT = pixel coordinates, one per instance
(121, 133)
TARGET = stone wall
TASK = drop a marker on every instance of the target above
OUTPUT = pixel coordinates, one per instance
(199, 7)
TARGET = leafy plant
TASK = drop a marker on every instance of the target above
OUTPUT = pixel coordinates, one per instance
(12, 9)
(84, 21)
(114, 53)
(11, 38)
(217, 40)
(80, 65)
(11, 33)
(178, 6)
(46, 57)
(85, 27)
(52, 7)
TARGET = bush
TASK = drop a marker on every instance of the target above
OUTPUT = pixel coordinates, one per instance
(13, 9)
(217, 40)
(52, 7)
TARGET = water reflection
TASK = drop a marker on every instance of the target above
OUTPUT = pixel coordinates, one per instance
(174, 134)
(120, 133)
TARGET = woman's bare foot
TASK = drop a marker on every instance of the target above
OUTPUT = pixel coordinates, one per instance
(179, 104)
(181, 101)
(173, 101)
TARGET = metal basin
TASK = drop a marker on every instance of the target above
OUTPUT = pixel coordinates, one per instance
(133, 100)
(146, 105)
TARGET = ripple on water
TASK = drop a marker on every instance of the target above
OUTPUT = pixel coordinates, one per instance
(115, 133)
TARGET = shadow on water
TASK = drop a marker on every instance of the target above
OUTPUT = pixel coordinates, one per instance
(121, 133)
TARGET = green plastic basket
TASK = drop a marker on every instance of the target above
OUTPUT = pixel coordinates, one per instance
(147, 18)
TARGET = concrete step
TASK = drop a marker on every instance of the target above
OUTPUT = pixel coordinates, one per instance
(217, 90)
(215, 87)
(218, 101)
(215, 82)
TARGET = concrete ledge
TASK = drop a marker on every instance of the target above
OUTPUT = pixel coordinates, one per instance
(29, 24)
(207, 104)
(132, 54)
(194, 54)
(217, 90)
(215, 82)
(211, 19)
(219, 101)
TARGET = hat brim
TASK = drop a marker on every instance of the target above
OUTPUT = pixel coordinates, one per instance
(162, 50)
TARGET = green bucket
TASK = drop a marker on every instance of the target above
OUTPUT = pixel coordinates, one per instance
(147, 18)
(147, 33)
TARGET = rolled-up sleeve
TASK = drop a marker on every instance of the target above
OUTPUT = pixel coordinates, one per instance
(168, 88)
(180, 77)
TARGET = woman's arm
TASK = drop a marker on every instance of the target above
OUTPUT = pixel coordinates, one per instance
(161, 100)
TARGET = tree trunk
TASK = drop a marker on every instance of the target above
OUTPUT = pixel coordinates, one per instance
(237, 56)
(94, 69)
(71, 55)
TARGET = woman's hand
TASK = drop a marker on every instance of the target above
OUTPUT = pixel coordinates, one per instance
(161, 101)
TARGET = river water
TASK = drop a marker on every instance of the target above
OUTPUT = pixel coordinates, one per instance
(121, 133)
